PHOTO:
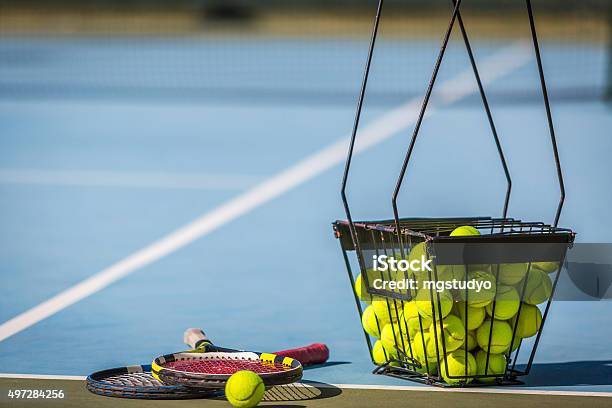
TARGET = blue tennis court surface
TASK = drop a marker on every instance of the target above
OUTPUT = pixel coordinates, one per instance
(88, 182)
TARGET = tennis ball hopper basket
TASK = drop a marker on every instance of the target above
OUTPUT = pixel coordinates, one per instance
(464, 300)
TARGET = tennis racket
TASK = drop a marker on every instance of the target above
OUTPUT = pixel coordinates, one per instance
(137, 382)
(210, 366)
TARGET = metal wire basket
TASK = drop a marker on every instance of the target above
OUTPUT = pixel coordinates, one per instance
(452, 335)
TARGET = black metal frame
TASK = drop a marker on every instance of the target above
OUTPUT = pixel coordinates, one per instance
(402, 234)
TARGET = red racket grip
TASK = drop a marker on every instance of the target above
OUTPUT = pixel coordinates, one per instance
(316, 353)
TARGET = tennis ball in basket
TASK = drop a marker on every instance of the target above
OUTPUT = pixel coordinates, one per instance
(361, 290)
(484, 293)
(515, 344)
(512, 273)
(394, 337)
(471, 341)
(537, 288)
(475, 315)
(424, 349)
(452, 330)
(464, 231)
(500, 338)
(429, 366)
(416, 325)
(380, 355)
(244, 389)
(387, 309)
(529, 321)
(372, 324)
(507, 303)
(547, 267)
(441, 302)
(495, 366)
(454, 366)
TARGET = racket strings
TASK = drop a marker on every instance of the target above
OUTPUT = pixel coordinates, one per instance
(225, 366)
(134, 379)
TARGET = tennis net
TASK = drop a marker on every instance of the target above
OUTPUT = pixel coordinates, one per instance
(286, 51)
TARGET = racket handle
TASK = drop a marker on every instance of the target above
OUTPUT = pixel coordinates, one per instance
(195, 338)
(316, 353)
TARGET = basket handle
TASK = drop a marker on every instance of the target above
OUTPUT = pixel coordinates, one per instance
(551, 128)
(457, 16)
(349, 157)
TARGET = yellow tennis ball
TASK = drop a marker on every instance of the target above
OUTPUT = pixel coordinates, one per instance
(418, 251)
(244, 389)
(450, 272)
(515, 344)
(394, 337)
(484, 289)
(424, 351)
(387, 309)
(373, 324)
(529, 321)
(538, 287)
(361, 290)
(380, 355)
(416, 325)
(500, 336)
(453, 332)
(441, 302)
(464, 231)
(454, 366)
(507, 303)
(471, 341)
(496, 366)
(547, 267)
(475, 315)
(511, 273)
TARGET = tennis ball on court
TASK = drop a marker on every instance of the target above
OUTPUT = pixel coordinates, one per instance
(475, 315)
(495, 366)
(500, 336)
(464, 231)
(452, 331)
(547, 267)
(471, 341)
(244, 389)
(441, 302)
(380, 355)
(454, 366)
(507, 303)
(387, 309)
(529, 321)
(484, 289)
(372, 324)
(511, 273)
(538, 287)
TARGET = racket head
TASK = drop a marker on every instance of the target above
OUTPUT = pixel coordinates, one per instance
(210, 366)
(137, 382)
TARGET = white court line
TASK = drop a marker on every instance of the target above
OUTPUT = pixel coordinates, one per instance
(94, 178)
(423, 388)
(43, 377)
(495, 66)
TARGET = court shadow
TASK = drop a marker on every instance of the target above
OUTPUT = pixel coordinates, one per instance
(303, 391)
(570, 373)
(326, 364)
